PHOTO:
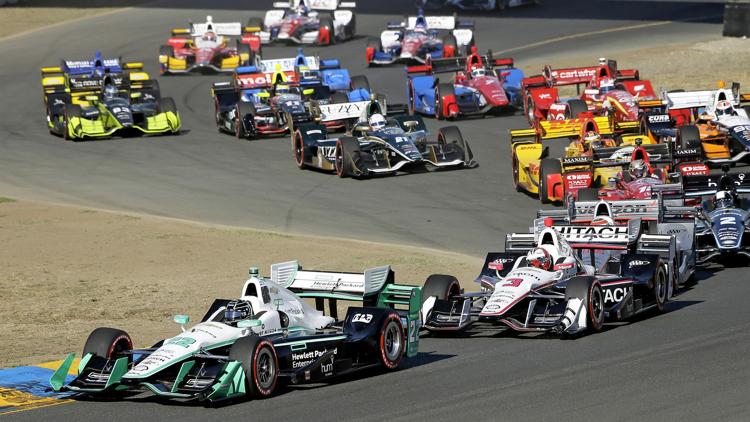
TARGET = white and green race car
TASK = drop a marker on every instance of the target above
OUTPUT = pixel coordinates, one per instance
(244, 346)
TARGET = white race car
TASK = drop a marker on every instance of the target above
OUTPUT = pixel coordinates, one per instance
(320, 22)
(243, 346)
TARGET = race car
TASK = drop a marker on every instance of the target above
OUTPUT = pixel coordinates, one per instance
(722, 222)
(562, 279)
(206, 47)
(419, 38)
(269, 99)
(99, 98)
(478, 85)
(320, 22)
(717, 120)
(607, 91)
(376, 144)
(595, 156)
(477, 4)
(249, 345)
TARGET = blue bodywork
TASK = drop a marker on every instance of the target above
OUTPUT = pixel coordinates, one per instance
(98, 66)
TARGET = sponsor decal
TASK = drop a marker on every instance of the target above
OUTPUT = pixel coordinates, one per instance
(593, 233)
(362, 318)
(512, 282)
(637, 263)
(328, 152)
(545, 96)
(615, 295)
(661, 118)
(575, 160)
(694, 169)
(619, 209)
(181, 341)
(574, 74)
(302, 359)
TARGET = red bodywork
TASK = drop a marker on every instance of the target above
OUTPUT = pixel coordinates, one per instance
(542, 95)
(184, 48)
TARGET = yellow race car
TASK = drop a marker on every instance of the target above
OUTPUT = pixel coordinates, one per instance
(103, 97)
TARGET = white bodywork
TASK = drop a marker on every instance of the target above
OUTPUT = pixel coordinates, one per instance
(274, 17)
(392, 38)
(708, 101)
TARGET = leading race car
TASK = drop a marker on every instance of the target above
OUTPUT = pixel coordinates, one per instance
(376, 144)
(419, 38)
(207, 47)
(477, 4)
(562, 279)
(320, 22)
(246, 346)
(723, 222)
(607, 91)
(269, 99)
(99, 98)
(718, 119)
(477, 85)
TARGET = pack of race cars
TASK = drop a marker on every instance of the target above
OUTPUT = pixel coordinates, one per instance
(630, 166)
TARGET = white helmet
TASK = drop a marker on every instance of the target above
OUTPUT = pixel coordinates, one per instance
(539, 258)
(606, 84)
(723, 108)
(377, 121)
(638, 169)
(478, 72)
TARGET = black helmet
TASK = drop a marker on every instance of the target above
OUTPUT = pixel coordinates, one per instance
(237, 310)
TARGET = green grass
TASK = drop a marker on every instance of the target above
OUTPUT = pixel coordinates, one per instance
(8, 200)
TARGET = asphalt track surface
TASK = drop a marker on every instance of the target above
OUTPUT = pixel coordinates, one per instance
(687, 364)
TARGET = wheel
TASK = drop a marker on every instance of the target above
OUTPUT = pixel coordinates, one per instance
(346, 147)
(326, 22)
(660, 287)
(374, 45)
(450, 46)
(548, 166)
(339, 98)
(108, 343)
(442, 90)
(243, 109)
(391, 342)
(360, 82)
(441, 286)
(590, 292)
(153, 87)
(530, 115)
(299, 150)
(501, 5)
(165, 50)
(688, 137)
(588, 194)
(259, 363)
(452, 135)
(255, 22)
(575, 108)
(244, 50)
(70, 111)
(516, 170)
(165, 105)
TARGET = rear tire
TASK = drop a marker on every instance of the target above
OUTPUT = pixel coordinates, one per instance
(588, 194)
(255, 22)
(108, 343)
(442, 90)
(165, 50)
(360, 82)
(260, 364)
(391, 342)
(548, 166)
(244, 50)
(339, 98)
(688, 137)
(530, 111)
(346, 147)
(575, 108)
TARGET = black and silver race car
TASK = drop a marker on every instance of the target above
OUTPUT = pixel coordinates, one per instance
(722, 223)
(376, 144)
(476, 4)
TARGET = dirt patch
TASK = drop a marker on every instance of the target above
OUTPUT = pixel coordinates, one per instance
(29, 15)
(692, 66)
(67, 270)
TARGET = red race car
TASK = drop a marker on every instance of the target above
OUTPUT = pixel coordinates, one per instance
(208, 47)
(607, 91)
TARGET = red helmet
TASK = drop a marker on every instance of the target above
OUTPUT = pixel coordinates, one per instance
(539, 258)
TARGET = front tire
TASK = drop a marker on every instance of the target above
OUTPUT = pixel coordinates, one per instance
(243, 109)
(575, 108)
(547, 167)
(259, 363)
(660, 287)
(108, 343)
(588, 195)
(442, 90)
(442, 286)
(590, 292)
(346, 147)
(688, 137)
(299, 151)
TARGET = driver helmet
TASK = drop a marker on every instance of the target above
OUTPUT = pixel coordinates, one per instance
(420, 25)
(237, 310)
(377, 121)
(110, 91)
(638, 169)
(282, 89)
(302, 8)
(478, 72)
(723, 199)
(539, 258)
(606, 84)
(591, 137)
(306, 73)
(723, 108)
(209, 36)
(602, 220)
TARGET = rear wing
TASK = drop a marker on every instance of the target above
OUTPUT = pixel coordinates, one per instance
(580, 75)
(328, 5)
(699, 99)
(456, 64)
(619, 156)
(288, 64)
(710, 184)
(645, 209)
(440, 22)
(373, 287)
(233, 29)
(341, 111)
(555, 129)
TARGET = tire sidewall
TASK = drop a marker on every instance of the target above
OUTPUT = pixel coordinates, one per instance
(390, 363)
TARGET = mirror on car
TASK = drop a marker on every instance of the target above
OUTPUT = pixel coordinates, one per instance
(181, 319)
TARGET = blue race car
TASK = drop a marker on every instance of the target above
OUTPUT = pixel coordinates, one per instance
(478, 85)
